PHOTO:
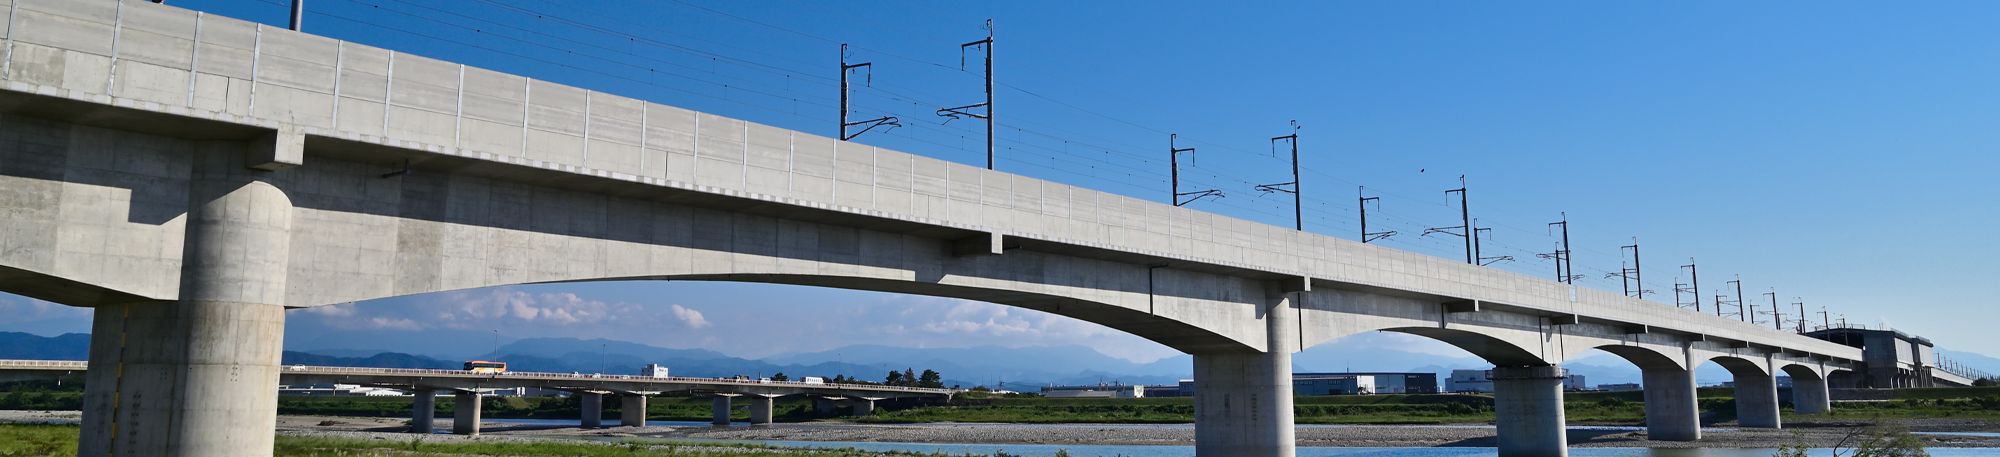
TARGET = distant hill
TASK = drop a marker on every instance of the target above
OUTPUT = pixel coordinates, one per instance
(382, 360)
(25, 346)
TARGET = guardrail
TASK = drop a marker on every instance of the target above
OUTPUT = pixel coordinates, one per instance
(304, 369)
(54, 364)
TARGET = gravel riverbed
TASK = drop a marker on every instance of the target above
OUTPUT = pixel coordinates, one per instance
(1815, 432)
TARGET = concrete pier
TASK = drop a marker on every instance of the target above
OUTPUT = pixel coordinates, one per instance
(825, 406)
(632, 411)
(1672, 413)
(593, 409)
(1528, 409)
(193, 377)
(1757, 400)
(1809, 396)
(423, 411)
(862, 407)
(721, 413)
(465, 413)
(1243, 405)
(760, 409)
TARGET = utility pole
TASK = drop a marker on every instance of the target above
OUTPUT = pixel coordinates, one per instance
(298, 14)
(954, 113)
(1630, 276)
(1777, 315)
(1298, 206)
(1367, 236)
(1825, 321)
(1801, 302)
(845, 103)
(1739, 299)
(1695, 276)
(1678, 288)
(1174, 159)
(1483, 259)
(1565, 271)
(1465, 219)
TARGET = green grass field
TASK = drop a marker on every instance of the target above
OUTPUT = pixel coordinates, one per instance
(36, 440)
(1592, 407)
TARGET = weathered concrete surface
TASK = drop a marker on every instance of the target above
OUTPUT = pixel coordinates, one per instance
(593, 409)
(423, 411)
(760, 409)
(1528, 411)
(719, 413)
(1809, 391)
(632, 410)
(193, 377)
(465, 408)
(1243, 401)
(1673, 412)
(1757, 401)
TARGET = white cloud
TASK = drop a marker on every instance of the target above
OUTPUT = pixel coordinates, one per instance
(692, 318)
(392, 324)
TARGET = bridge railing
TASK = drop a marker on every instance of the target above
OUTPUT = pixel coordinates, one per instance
(52, 364)
(302, 369)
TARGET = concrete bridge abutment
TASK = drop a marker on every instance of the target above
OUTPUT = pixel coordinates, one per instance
(1528, 409)
(192, 377)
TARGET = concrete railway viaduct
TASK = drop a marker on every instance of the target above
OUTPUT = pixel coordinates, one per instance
(193, 176)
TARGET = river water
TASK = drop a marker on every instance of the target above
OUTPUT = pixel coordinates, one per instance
(1042, 450)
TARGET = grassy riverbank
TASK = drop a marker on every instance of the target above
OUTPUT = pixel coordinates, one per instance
(41, 440)
(1584, 407)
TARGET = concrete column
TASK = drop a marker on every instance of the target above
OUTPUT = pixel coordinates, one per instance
(632, 413)
(760, 410)
(1672, 413)
(194, 377)
(1756, 400)
(1243, 405)
(1809, 396)
(593, 409)
(1528, 405)
(465, 413)
(721, 410)
(863, 407)
(825, 406)
(423, 411)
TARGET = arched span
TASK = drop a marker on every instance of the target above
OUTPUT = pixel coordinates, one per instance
(1496, 351)
(1174, 333)
(1646, 358)
(1799, 371)
(1740, 365)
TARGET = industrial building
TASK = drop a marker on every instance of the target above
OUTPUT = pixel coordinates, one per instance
(1892, 359)
(1364, 383)
(1482, 381)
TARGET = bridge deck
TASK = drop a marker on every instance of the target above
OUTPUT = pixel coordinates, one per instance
(165, 70)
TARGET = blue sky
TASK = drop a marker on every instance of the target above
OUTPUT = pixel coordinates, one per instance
(1832, 151)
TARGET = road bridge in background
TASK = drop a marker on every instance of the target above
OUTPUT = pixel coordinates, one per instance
(192, 176)
(591, 389)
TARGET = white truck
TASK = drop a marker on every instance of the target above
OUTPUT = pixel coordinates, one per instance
(653, 370)
(813, 380)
